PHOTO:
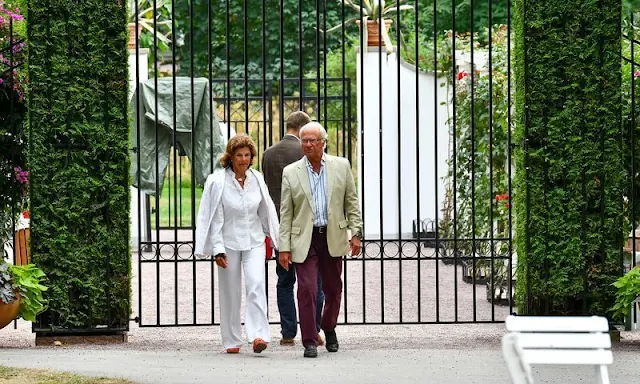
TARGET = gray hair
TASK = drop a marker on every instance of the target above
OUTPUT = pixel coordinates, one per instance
(314, 124)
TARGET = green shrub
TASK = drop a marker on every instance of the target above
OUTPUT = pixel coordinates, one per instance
(570, 178)
(79, 161)
(257, 54)
(482, 128)
(627, 291)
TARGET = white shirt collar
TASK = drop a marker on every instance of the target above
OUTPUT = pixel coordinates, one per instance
(233, 174)
(322, 161)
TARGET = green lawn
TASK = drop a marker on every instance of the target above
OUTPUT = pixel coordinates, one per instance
(175, 206)
(37, 376)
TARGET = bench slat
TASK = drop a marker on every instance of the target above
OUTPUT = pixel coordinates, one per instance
(564, 340)
(556, 324)
(567, 356)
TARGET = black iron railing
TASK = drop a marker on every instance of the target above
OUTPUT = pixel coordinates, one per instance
(427, 129)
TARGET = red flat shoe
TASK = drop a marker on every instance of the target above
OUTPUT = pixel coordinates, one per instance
(259, 345)
(233, 350)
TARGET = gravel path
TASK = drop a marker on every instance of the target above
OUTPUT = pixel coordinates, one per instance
(375, 291)
(452, 354)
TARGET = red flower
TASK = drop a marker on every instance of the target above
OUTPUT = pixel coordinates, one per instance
(462, 75)
(25, 214)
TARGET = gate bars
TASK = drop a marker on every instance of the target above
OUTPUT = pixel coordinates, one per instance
(429, 140)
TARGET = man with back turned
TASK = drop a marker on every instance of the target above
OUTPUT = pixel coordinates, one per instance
(281, 154)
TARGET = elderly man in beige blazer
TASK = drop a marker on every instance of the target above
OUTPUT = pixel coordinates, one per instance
(320, 222)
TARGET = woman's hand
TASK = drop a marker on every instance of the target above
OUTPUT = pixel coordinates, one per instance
(221, 260)
(285, 260)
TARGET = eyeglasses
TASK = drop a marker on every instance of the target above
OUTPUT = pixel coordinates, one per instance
(312, 141)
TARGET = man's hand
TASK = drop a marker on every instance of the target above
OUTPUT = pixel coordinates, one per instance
(285, 259)
(356, 246)
(221, 260)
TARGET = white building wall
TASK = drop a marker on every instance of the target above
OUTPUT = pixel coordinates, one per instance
(405, 172)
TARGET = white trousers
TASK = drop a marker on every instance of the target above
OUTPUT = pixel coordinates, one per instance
(252, 263)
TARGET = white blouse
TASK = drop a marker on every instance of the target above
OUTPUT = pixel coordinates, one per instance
(242, 216)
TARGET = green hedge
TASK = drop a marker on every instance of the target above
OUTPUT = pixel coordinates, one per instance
(79, 161)
(570, 175)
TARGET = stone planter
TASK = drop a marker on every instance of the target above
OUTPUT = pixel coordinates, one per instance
(9, 312)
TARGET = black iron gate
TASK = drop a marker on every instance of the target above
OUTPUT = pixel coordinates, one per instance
(425, 119)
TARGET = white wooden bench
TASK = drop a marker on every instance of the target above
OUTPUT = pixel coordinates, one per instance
(559, 340)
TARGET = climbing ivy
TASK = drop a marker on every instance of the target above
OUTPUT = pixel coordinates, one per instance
(570, 175)
(79, 161)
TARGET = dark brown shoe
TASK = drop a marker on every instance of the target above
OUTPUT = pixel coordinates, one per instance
(332, 341)
(311, 351)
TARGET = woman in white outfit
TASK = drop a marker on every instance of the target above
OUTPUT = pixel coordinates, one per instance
(235, 216)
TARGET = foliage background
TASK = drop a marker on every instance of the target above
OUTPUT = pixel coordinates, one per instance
(312, 16)
(260, 57)
(79, 158)
(569, 178)
(13, 141)
(481, 164)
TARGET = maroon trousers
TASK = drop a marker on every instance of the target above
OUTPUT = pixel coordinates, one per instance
(330, 268)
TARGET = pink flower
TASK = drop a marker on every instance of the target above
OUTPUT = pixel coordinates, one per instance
(22, 177)
(636, 74)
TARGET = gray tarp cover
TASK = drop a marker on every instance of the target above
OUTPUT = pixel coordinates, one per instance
(206, 129)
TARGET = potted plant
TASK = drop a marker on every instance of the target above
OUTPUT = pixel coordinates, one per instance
(628, 290)
(20, 292)
(373, 12)
(145, 17)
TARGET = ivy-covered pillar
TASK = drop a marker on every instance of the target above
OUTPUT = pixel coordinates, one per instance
(79, 163)
(570, 175)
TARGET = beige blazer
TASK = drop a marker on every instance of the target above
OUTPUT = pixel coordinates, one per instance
(297, 208)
